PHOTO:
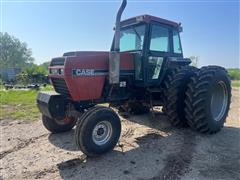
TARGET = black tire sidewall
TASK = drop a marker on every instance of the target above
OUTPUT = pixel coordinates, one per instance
(177, 84)
(212, 124)
(87, 130)
(54, 127)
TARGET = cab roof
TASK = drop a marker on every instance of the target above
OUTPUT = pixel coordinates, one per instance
(147, 18)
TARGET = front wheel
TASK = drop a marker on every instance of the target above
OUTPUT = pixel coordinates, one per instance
(98, 131)
(58, 126)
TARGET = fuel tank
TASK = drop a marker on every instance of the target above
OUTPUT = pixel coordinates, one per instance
(81, 75)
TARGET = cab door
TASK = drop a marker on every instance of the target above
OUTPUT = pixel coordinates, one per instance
(159, 48)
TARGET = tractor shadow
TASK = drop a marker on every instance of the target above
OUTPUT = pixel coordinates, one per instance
(154, 156)
(142, 157)
(159, 122)
(63, 140)
(118, 164)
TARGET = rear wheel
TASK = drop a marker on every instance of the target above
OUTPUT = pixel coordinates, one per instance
(97, 131)
(58, 126)
(208, 99)
(174, 94)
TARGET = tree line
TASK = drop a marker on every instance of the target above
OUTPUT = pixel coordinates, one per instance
(16, 54)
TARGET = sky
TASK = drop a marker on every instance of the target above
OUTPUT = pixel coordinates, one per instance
(52, 27)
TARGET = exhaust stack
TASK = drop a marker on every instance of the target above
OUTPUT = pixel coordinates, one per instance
(114, 55)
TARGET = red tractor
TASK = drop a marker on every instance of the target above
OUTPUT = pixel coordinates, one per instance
(144, 68)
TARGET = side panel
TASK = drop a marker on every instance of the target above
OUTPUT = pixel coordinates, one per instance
(90, 86)
(85, 88)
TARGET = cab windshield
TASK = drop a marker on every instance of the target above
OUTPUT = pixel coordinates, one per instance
(132, 38)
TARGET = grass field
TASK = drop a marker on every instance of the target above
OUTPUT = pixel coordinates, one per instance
(19, 104)
(236, 83)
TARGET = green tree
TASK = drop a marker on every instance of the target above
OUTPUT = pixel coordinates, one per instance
(33, 74)
(234, 73)
(34, 69)
(13, 52)
(45, 66)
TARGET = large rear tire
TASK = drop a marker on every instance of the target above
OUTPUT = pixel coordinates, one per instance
(97, 131)
(174, 94)
(208, 99)
(58, 126)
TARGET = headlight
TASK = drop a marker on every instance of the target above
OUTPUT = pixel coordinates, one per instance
(61, 71)
(56, 71)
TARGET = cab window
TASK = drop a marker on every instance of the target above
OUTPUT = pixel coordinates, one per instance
(176, 43)
(159, 39)
(132, 38)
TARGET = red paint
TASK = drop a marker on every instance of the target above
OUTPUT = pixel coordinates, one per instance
(89, 87)
(147, 19)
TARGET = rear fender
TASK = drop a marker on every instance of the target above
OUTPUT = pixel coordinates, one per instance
(171, 63)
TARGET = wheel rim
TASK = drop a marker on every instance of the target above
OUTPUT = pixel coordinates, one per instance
(219, 101)
(102, 132)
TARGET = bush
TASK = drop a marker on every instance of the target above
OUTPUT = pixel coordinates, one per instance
(234, 74)
(33, 74)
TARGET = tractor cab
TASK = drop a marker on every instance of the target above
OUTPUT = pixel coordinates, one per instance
(153, 41)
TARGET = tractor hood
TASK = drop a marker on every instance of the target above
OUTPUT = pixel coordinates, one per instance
(96, 60)
(81, 75)
(85, 53)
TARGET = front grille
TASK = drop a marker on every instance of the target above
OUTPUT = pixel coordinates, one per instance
(60, 87)
(57, 62)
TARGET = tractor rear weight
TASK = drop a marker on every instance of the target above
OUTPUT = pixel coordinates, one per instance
(144, 68)
(51, 104)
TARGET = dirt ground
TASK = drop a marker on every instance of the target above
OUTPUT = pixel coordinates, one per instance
(149, 148)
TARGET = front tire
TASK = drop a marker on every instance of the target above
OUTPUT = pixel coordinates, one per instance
(58, 126)
(98, 131)
(208, 99)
